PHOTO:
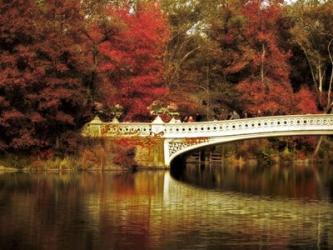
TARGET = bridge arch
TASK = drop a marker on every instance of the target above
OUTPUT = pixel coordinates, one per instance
(225, 139)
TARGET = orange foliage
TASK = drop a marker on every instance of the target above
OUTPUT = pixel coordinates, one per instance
(275, 98)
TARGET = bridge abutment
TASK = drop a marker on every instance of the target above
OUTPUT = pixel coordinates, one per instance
(150, 154)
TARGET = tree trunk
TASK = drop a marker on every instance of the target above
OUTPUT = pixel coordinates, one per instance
(320, 78)
(312, 66)
(328, 106)
(262, 74)
(321, 75)
(318, 146)
(208, 94)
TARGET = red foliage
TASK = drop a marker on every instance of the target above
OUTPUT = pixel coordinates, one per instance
(306, 101)
(132, 63)
(268, 88)
(125, 153)
(275, 98)
(42, 94)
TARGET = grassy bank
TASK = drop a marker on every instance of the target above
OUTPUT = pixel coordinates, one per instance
(91, 155)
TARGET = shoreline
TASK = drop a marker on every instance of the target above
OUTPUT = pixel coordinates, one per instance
(232, 162)
(4, 169)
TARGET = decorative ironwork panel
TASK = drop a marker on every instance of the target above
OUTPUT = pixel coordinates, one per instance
(177, 145)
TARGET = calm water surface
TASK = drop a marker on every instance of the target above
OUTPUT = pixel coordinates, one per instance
(199, 207)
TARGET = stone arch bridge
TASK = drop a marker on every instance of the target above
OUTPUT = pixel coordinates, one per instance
(174, 138)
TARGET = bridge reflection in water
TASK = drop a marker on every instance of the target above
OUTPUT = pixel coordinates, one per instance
(276, 207)
(274, 181)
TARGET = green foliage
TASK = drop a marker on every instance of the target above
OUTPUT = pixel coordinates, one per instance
(312, 34)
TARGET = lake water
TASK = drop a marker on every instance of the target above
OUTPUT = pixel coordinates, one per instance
(199, 207)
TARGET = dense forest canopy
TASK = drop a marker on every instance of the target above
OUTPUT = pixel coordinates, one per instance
(62, 62)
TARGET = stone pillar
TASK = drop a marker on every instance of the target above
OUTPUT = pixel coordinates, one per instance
(93, 128)
(157, 126)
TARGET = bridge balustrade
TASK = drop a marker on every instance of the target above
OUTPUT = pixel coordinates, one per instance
(249, 125)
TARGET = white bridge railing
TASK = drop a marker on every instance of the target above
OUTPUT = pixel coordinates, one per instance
(318, 122)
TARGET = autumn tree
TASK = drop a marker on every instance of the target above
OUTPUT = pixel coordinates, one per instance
(196, 56)
(306, 102)
(42, 93)
(227, 64)
(131, 65)
(182, 47)
(267, 87)
(312, 32)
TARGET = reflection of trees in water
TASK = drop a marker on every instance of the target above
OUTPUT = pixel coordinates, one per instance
(329, 181)
(150, 210)
(42, 211)
(54, 211)
(286, 181)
